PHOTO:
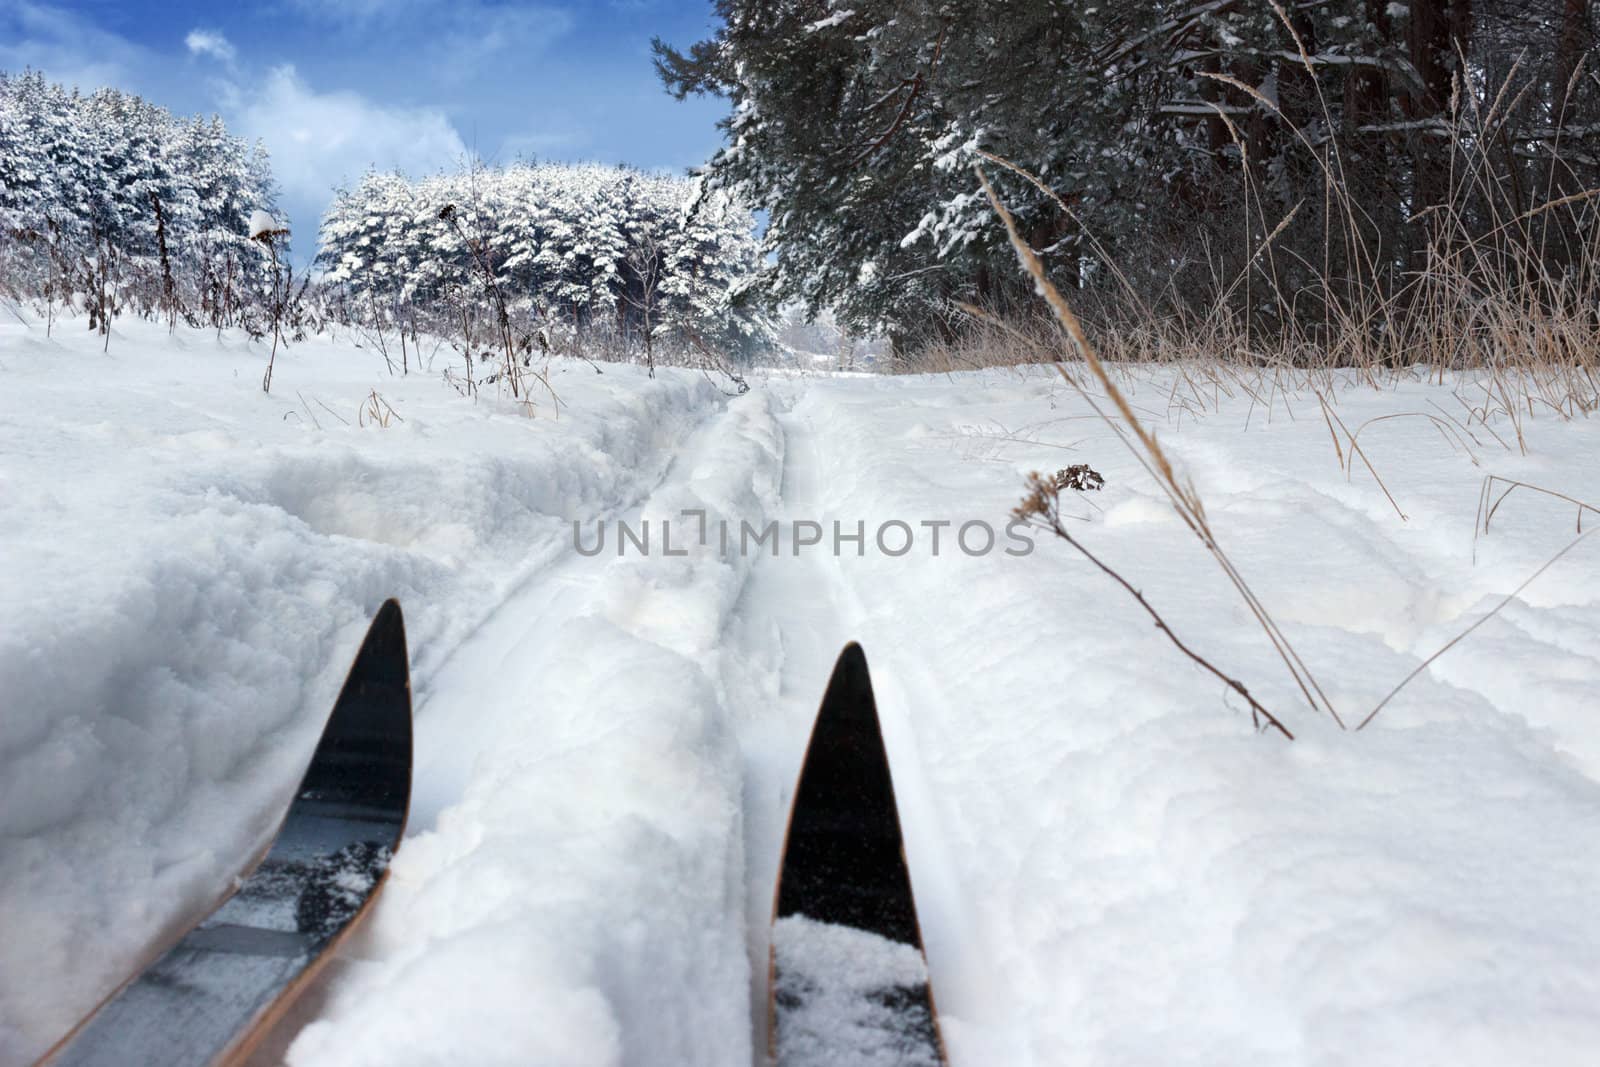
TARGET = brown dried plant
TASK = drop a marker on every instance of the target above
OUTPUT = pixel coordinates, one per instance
(376, 410)
(1041, 507)
(1180, 493)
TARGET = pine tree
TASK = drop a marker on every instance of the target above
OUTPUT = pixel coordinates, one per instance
(619, 259)
(1172, 135)
(112, 199)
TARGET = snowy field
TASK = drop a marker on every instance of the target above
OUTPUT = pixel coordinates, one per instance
(1111, 867)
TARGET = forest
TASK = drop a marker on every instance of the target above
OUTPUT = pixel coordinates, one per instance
(1299, 182)
(604, 260)
(111, 205)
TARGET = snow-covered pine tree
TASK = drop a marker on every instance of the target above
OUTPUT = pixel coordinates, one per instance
(1179, 133)
(708, 290)
(581, 252)
(110, 201)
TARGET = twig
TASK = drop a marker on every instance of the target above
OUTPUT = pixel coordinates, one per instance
(309, 412)
(1258, 713)
(330, 411)
(1448, 645)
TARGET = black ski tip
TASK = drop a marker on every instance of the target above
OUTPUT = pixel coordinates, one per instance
(851, 659)
(849, 692)
(843, 860)
(383, 650)
(365, 755)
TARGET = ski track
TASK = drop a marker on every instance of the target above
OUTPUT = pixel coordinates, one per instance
(493, 686)
(1110, 868)
(534, 605)
(788, 632)
(942, 912)
(1010, 897)
(793, 613)
(200, 655)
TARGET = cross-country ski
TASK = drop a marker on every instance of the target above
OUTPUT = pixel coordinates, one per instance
(849, 985)
(209, 998)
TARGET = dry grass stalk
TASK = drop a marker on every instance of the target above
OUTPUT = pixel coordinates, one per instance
(1486, 301)
(1356, 453)
(1042, 508)
(1150, 455)
(1487, 507)
(1448, 645)
(376, 409)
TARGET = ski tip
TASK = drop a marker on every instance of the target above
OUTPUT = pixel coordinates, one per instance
(365, 754)
(843, 859)
(378, 689)
(852, 663)
(851, 682)
(376, 698)
(383, 650)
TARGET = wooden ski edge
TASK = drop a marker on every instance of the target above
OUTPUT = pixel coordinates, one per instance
(162, 947)
(233, 1055)
(238, 1053)
(850, 648)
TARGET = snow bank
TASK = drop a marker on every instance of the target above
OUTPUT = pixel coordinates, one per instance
(190, 565)
(1112, 869)
(583, 896)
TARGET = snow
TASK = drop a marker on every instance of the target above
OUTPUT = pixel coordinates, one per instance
(1111, 867)
(835, 19)
(262, 223)
(845, 996)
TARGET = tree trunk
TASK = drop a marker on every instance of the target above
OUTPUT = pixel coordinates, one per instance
(1438, 29)
(1572, 41)
(169, 289)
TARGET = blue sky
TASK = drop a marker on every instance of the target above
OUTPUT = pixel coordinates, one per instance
(335, 86)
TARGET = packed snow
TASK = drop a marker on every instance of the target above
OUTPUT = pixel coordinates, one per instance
(844, 995)
(1111, 866)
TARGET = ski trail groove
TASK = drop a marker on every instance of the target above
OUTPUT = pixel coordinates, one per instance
(798, 611)
(909, 702)
(531, 604)
(785, 633)
(586, 712)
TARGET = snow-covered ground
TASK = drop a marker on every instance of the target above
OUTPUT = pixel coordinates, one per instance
(1111, 867)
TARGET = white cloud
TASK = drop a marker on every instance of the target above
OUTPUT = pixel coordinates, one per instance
(210, 43)
(65, 47)
(355, 10)
(467, 32)
(318, 140)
